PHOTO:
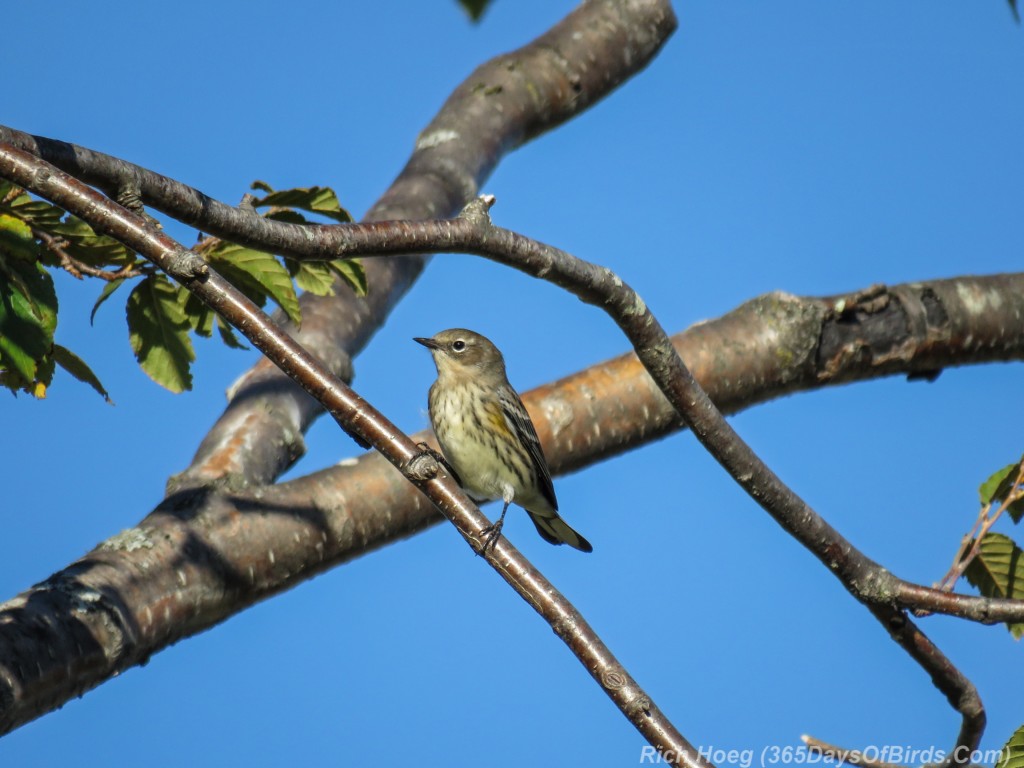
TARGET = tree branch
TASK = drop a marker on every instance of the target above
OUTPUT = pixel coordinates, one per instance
(503, 104)
(472, 232)
(359, 419)
(856, 571)
(973, 337)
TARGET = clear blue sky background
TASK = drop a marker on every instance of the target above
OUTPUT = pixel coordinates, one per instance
(805, 146)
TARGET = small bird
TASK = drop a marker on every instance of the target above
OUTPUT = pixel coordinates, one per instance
(487, 436)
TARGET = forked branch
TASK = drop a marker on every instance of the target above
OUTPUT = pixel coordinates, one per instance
(472, 232)
(359, 419)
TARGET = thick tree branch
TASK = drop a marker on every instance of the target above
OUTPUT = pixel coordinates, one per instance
(505, 103)
(472, 232)
(906, 328)
(986, 341)
(860, 575)
(359, 419)
(208, 555)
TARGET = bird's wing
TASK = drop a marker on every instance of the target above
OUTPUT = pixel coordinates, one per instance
(519, 420)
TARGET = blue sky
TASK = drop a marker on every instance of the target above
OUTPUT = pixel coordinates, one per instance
(804, 146)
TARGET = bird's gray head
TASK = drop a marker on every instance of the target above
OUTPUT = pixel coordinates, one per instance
(458, 351)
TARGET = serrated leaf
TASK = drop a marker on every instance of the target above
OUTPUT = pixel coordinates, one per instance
(1015, 510)
(320, 200)
(257, 274)
(36, 387)
(476, 8)
(28, 317)
(352, 272)
(83, 244)
(35, 212)
(106, 293)
(1012, 753)
(16, 239)
(199, 316)
(998, 571)
(158, 331)
(286, 215)
(44, 375)
(34, 284)
(316, 277)
(78, 368)
(38, 213)
(999, 484)
(227, 334)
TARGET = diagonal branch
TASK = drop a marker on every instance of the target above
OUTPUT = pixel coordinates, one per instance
(472, 232)
(210, 555)
(359, 419)
(505, 103)
(950, 681)
(683, 391)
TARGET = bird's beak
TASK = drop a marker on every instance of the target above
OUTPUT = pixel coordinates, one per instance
(428, 343)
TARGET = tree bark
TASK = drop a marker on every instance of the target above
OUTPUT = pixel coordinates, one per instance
(205, 554)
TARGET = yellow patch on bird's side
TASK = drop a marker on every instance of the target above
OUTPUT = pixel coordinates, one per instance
(496, 418)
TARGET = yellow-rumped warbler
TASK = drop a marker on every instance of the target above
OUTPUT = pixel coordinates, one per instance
(487, 436)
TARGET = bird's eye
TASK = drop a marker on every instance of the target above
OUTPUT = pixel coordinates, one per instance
(458, 345)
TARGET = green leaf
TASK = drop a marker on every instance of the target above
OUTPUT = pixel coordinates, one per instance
(16, 239)
(476, 8)
(352, 272)
(1014, 11)
(320, 200)
(28, 317)
(78, 368)
(106, 293)
(316, 277)
(37, 213)
(44, 375)
(262, 186)
(199, 316)
(999, 484)
(286, 215)
(998, 571)
(158, 331)
(202, 319)
(1015, 510)
(257, 274)
(86, 246)
(1012, 753)
(227, 334)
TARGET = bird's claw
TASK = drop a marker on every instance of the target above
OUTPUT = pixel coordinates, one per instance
(489, 536)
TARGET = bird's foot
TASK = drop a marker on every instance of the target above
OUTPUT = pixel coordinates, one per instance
(489, 536)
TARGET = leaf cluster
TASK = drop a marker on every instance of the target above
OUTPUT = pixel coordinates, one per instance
(996, 566)
(37, 237)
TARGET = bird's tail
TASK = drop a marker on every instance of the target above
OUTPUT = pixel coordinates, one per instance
(556, 531)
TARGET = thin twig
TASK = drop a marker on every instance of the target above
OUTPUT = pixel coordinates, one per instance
(982, 526)
(360, 419)
(842, 756)
(947, 583)
(76, 267)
